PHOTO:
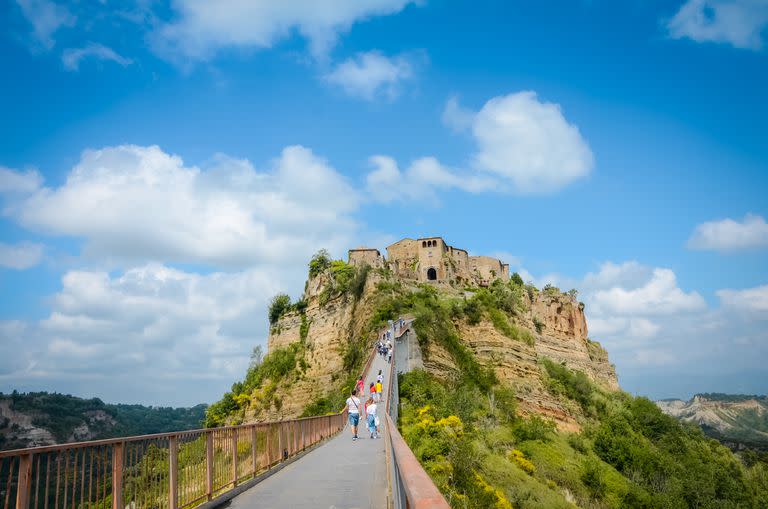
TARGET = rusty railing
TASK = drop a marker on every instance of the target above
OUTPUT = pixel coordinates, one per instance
(163, 471)
(410, 485)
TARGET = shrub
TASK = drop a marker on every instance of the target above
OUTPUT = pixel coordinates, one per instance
(573, 384)
(358, 283)
(505, 404)
(502, 324)
(521, 461)
(516, 279)
(538, 324)
(533, 428)
(473, 311)
(304, 328)
(320, 262)
(592, 476)
(280, 304)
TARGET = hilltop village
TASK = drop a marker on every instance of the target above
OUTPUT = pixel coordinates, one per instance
(432, 259)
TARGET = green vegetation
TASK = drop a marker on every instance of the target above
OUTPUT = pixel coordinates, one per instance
(629, 454)
(469, 437)
(61, 414)
(319, 263)
(258, 390)
(280, 304)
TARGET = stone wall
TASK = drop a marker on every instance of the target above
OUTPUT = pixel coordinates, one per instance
(369, 256)
(486, 269)
(460, 260)
(403, 258)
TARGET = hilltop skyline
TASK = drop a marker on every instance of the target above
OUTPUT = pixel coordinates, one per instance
(165, 171)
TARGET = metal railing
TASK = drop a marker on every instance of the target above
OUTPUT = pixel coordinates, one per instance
(410, 486)
(162, 471)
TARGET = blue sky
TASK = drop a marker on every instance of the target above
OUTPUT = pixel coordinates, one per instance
(165, 168)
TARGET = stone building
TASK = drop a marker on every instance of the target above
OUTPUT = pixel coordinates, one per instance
(366, 255)
(431, 259)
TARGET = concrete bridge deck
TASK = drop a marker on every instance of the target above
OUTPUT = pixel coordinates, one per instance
(341, 474)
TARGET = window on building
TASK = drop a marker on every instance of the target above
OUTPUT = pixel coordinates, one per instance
(424, 244)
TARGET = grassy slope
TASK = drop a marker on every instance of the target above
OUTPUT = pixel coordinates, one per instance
(481, 454)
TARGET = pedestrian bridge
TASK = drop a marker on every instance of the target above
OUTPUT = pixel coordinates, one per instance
(297, 463)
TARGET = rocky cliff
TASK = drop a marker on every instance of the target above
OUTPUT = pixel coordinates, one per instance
(558, 328)
(329, 323)
(736, 419)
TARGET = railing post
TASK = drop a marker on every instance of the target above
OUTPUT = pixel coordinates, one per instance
(234, 457)
(268, 445)
(117, 475)
(254, 458)
(173, 472)
(24, 479)
(209, 464)
(280, 441)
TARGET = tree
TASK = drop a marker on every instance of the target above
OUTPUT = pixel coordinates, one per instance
(319, 263)
(257, 356)
(279, 305)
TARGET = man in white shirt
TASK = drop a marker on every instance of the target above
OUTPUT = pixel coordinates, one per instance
(353, 407)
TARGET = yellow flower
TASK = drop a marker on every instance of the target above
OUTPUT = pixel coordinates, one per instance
(521, 461)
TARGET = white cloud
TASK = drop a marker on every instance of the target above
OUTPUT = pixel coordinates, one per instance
(203, 28)
(659, 295)
(20, 256)
(457, 117)
(740, 23)
(132, 203)
(729, 235)
(526, 141)
(371, 75)
(420, 181)
(751, 300)
(46, 18)
(141, 334)
(71, 57)
(12, 181)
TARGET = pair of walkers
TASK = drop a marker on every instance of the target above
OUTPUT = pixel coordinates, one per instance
(355, 409)
(375, 389)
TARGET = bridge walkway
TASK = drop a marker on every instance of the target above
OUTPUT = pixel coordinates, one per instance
(342, 474)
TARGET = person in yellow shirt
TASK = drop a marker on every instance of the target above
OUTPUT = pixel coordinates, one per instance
(379, 388)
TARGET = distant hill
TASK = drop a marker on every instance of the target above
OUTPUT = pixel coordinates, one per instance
(41, 418)
(739, 420)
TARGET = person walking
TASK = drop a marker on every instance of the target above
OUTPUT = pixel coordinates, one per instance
(372, 390)
(380, 377)
(353, 407)
(379, 390)
(370, 412)
(360, 386)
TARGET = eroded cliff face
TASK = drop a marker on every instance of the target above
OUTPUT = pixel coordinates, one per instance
(555, 320)
(330, 327)
(734, 418)
(563, 339)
